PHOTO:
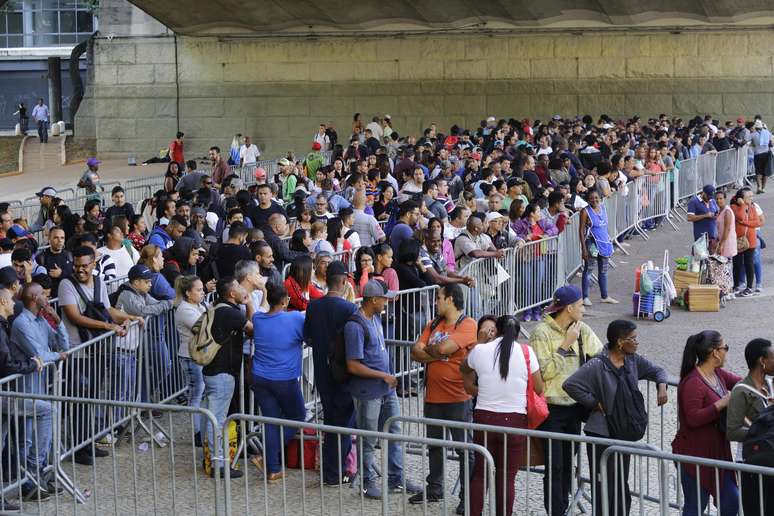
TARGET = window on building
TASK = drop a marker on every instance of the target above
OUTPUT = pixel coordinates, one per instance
(45, 23)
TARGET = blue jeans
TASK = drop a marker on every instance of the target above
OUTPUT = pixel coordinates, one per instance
(757, 267)
(729, 495)
(602, 265)
(38, 434)
(371, 415)
(125, 381)
(280, 399)
(218, 390)
(194, 380)
(43, 131)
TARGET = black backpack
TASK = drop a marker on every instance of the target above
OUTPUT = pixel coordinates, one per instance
(627, 419)
(760, 436)
(337, 351)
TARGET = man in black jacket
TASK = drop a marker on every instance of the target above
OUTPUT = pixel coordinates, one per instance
(57, 261)
(274, 233)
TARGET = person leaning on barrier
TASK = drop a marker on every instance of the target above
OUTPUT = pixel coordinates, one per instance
(21, 365)
(595, 386)
(702, 399)
(434, 262)
(372, 386)
(562, 343)
(748, 399)
(442, 347)
(496, 373)
(473, 243)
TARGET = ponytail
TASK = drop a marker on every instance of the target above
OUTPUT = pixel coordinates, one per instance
(697, 349)
(508, 328)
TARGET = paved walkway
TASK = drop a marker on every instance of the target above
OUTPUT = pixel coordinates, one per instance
(42, 168)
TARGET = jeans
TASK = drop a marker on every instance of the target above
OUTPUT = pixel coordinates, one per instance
(557, 481)
(338, 410)
(602, 265)
(38, 434)
(371, 415)
(159, 367)
(450, 412)
(729, 494)
(619, 498)
(218, 390)
(194, 380)
(24, 124)
(757, 267)
(507, 452)
(280, 399)
(744, 269)
(125, 381)
(43, 131)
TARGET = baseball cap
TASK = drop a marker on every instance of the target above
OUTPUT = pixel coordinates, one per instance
(491, 119)
(284, 162)
(740, 119)
(376, 288)
(476, 156)
(759, 124)
(709, 190)
(564, 296)
(92, 162)
(8, 277)
(336, 268)
(493, 215)
(316, 146)
(387, 117)
(17, 231)
(140, 272)
(50, 191)
(556, 117)
(259, 173)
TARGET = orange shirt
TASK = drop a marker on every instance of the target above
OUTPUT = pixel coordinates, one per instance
(444, 381)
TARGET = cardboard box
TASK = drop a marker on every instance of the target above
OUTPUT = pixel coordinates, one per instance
(703, 298)
(682, 279)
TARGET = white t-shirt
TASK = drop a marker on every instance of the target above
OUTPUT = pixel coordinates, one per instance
(122, 258)
(249, 154)
(494, 394)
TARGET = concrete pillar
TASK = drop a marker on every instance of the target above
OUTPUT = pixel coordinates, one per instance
(55, 88)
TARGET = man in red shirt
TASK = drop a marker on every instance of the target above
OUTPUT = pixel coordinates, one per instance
(176, 150)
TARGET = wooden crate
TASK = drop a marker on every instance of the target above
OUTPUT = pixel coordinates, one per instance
(682, 279)
(703, 298)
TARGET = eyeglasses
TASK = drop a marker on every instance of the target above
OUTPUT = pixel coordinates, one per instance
(724, 348)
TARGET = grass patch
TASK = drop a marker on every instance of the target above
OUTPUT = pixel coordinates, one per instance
(80, 149)
(9, 153)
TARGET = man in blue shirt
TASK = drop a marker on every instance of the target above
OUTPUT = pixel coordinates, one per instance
(40, 115)
(702, 211)
(325, 320)
(408, 215)
(32, 336)
(372, 386)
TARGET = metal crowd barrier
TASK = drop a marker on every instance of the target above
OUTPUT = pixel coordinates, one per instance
(726, 168)
(293, 493)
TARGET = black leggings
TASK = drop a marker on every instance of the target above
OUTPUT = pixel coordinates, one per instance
(743, 268)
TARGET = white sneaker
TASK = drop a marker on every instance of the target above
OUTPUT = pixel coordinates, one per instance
(586, 301)
(610, 301)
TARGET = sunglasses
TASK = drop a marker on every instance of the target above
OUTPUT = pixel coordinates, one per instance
(724, 348)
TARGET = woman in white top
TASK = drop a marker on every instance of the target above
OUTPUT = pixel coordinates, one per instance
(190, 293)
(496, 372)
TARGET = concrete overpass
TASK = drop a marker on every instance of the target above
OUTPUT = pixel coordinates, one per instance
(274, 70)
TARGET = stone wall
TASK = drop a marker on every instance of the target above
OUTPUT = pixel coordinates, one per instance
(279, 89)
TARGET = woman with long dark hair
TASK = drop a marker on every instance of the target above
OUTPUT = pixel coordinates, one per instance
(497, 373)
(703, 395)
(299, 284)
(172, 176)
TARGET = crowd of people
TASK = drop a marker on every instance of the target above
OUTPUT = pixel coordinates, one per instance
(286, 261)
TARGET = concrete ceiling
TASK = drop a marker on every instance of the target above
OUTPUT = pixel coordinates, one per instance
(224, 17)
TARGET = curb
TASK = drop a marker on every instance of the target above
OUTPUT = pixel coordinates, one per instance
(21, 156)
(62, 151)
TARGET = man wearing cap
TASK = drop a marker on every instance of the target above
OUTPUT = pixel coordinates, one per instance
(702, 210)
(219, 166)
(474, 243)
(135, 298)
(563, 343)
(313, 161)
(372, 386)
(248, 153)
(46, 197)
(325, 320)
(740, 134)
(761, 142)
(90, 180)
(288, 179)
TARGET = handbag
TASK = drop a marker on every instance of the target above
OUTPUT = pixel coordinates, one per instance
(537, 408)
(742, 244)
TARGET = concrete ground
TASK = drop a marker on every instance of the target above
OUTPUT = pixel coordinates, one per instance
(141, 479)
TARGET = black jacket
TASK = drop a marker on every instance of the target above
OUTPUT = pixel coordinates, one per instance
(282, 253)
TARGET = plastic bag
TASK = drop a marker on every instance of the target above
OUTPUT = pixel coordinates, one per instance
(646, 284)
(701, 248)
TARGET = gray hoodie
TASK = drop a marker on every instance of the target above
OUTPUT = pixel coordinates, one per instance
(595, 382)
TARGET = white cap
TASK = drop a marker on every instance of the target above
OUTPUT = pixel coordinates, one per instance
(388, 117)
(493, 215)
(491, 119)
